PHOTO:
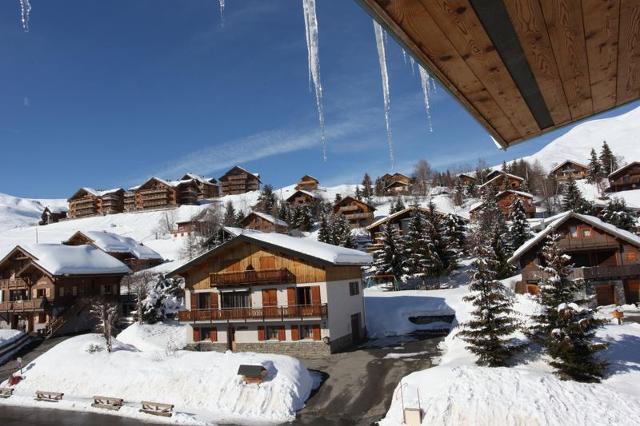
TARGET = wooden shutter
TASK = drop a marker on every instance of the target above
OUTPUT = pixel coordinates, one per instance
(316, 332)
(214, 300)
(194, 300)
(281, 333)
(267, 262)
(315, 295)
(269, 297)
(213, 334)
(196, 335)
(295, 333)
(291, 296)
(260, 333)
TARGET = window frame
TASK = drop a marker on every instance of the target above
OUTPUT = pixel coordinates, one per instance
(354, 288)
(267, 335)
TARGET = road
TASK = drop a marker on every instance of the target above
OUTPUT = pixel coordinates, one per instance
(18, 416)
(28, 353)
(360, 383)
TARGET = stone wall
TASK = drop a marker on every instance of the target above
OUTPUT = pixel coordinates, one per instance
(295, 349)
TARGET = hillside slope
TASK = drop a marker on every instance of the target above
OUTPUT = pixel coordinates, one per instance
(15, 211)
(622, 133)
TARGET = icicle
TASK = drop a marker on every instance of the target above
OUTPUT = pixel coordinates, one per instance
(25, 10)
(424, 81)
(413, 65)
(311, 27)
(382, 58)
(221, 10)
(434, 86)
(404, 56)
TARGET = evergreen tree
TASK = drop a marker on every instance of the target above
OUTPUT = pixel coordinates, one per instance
(502, 249)
(284, 212)
(419, 252)
(358, 194)
(302, 218)
(519, 229)
(488, 332)
(388, 259)
(367, 189)
(342, 232)
(445, 254)
(162, 301)
(618, 214)
(325, 233)
(594, 171)
(398, 206)
(267, 200)
(239, 218)
(379, 187)
(607, 159)
(337, 199)
(573, 200)
(456, 231)
(229, 215)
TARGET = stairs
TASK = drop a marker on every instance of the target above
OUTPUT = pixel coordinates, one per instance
(54, 326)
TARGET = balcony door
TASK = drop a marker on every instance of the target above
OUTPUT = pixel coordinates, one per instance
(270, 302)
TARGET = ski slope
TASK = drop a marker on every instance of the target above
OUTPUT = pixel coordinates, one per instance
(16, 211)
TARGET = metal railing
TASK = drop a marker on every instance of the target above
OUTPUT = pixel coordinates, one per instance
(263, 313)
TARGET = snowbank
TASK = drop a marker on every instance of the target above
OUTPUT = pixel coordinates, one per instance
(156, 337)
(8, 336)
(203, 386)
(459, 392)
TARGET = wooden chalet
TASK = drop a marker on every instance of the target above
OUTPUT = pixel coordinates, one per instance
(130, 252)
(505, 199)
(396, 184)
(522, 68)
(604, 256)
(466, 179)
(52, 215)
(91, 202)
(307, 183)
(358, 213)
(238, 181)
(206, 187)
(274, 293)
(569, 169)
(502, 181)
(264, 222)
(44, 286)
(155, 193)
(625, 178)
(302, 197)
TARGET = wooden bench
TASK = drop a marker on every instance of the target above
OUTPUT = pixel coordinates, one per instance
(157, 408)
(48, 396)
(107, 402)
(6, 392)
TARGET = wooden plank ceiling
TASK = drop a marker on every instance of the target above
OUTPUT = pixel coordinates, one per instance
(523, 67)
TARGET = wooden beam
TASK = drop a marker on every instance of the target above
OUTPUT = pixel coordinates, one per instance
(629, 52)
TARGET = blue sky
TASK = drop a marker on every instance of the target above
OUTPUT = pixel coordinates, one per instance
(107, 93)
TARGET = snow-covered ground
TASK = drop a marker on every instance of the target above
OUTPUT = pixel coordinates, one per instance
(144, 365)
(459, 392)
(16, 211)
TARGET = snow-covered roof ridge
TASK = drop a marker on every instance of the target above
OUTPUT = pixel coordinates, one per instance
(114, 243)
(60, 259)
(513, 191)
(394, 215)
(499, 176)
(304, 191)
(565, 162)
(269, 218)
(622, 168)
(562, 218)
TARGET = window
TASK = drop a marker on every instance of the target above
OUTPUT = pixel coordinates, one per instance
(107, 289)
(271, 333)
(303, 295)
(41, 292)
(573, 230)
(354, 288)
(61, 292)
(204, 300)
(306, 332)
(586, 233)
(74, 291)
(630, 256)
(205, 333)
(236, 299)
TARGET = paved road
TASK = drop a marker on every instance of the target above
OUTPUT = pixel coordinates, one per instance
(17, 416)
(28, 353)
(360, 383)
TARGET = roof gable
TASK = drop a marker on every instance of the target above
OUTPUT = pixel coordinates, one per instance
(238, 169)
(350, 199)
(565, 162)
(622, 169)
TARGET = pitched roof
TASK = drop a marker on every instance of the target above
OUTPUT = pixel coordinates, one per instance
(95, 192)
(267, 217)
(476, 206)
(60, 259)
(394, 215)
(623, 168)
(351, 198)
(307, 178)
(499, 176)
(562, 218)
(256, 175)
(567, 162)
(308, 248)
(302, 191)
(114, 243)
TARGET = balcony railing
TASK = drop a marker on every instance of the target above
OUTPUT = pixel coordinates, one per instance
(588, 243)
(23, 305)
(13, 283)
(255, 314)
(592, 273)
(352, 216)
(265, 276)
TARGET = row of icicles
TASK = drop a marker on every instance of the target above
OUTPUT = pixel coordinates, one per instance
(311, 34)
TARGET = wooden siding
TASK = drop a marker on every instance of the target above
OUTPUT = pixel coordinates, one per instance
(238, 181)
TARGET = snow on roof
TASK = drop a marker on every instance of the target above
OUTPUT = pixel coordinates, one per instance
(309, 193)
(393, 216)
(97, 192)
(60, 259)
(499, 175)
(562, 218)
(269, 218)
(619, 169)
(114, 243)
(257, 175)
(311, 247)
(57, 209)
(521, 193)
(565, 162)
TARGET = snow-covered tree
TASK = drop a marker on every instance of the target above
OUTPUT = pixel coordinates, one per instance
(267, 200)
(358, 193)
(389, 258)
(163, 299)
(229, 218)
(398, 206)
(419, 256)
(607, 159)
(367, 187)
(458, 193)
(519, 229)
(456, 231)
(106, 312)
(240, 217)
(618, 214)
(325, 233)
(342, 232)
(445, 252)
(284, 212)
(302, 218)
(488, 332)
(594, 171)
(573, 200)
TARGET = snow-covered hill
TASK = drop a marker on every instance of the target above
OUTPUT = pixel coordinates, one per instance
(15, 211)
(622, 134)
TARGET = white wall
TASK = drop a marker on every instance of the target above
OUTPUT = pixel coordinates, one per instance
(342, 305)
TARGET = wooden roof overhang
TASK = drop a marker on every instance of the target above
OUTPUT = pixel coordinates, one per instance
(523, 67)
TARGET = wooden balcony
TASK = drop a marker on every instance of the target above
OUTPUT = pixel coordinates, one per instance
(13, 283)
(591, 243)
(255, 314)
(354, 216)
(265, 276)
(33, 305)
(597, 273)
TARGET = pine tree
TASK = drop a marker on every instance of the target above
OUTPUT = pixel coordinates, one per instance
(419, 252)
(342, 232)
(239, 218)
(388, 259)
(325, 233)
(398, 206)
(607, 159)
(358, 194)
(284, 212)
(367, 189)
(618, 214)
(456, 230)
(594, 171)
(458, 193)
(337, 199)
(519, 229)
(488, 332)
(573, 200)
(306, 218)
(502, 249)
(229, 215)
(267, 200)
